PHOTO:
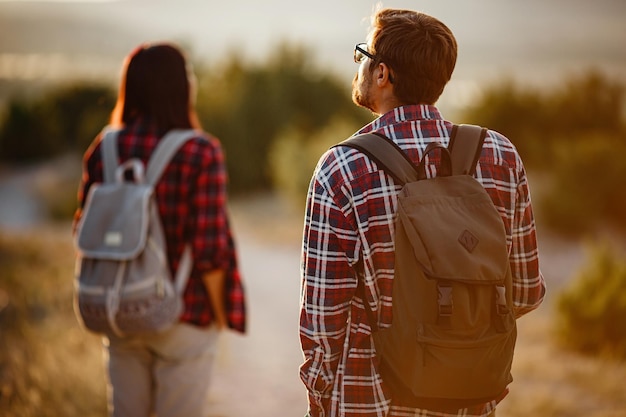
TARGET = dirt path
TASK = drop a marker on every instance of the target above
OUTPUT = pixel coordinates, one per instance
(257, 375)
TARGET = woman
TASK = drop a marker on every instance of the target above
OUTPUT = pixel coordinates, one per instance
(167, 374)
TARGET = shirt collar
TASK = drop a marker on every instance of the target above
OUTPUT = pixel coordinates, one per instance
(403, 114)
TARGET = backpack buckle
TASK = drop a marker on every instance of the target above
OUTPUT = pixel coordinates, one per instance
(501, 307)
(445, 304)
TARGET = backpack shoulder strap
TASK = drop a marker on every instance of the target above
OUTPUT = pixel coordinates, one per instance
(110, 158)
(165, 151)
(161, 156)
(466, 143)
(387, 155)
(465, 147)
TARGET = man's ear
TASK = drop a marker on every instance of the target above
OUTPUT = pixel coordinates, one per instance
(383, 75)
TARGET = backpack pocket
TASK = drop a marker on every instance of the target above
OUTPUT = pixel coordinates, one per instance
(115, 223)
(466, 369)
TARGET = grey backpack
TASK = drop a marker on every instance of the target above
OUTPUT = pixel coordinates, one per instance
(453, 333)
(123, 281)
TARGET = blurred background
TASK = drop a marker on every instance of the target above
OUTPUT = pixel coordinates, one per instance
(274, 86)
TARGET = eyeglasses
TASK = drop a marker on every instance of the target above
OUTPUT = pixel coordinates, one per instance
(360, 53)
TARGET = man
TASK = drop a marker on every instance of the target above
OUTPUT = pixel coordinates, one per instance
(404, 67)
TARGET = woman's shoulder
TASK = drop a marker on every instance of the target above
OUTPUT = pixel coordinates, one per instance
(204, 147)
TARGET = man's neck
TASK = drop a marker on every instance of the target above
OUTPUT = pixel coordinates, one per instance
(386, 104)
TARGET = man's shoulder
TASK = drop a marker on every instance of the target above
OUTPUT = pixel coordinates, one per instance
(341, 165)
(500, 139)
(500, 150)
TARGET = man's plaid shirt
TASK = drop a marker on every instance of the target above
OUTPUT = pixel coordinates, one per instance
(349, 217)
(191, 196)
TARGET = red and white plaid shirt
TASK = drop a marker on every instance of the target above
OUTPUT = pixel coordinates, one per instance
(349, 217)
(191, 196)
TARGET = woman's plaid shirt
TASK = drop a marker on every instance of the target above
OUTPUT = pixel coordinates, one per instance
(191, 196)
(349, 217)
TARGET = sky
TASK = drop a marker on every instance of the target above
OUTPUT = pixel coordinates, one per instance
(534, 41)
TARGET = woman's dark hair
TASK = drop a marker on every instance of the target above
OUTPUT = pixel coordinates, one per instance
(155, 88)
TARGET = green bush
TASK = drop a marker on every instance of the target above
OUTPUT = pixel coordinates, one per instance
(293, 157)
(592, 312)
(586, 191)
(516, 112)
(539, 120)
(23, 134)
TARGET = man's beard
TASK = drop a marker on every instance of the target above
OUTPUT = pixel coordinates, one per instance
(361, 91)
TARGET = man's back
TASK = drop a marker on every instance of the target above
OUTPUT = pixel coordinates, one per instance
(349, 222)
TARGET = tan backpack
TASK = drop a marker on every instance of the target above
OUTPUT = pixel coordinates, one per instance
(453, 333)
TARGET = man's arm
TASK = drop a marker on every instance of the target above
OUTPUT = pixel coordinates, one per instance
(528, 283)
(327, 287)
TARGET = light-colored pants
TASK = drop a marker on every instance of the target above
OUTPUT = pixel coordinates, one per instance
(164, 375)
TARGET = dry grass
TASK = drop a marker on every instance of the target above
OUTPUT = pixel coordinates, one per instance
(49, 366)
(551, 381)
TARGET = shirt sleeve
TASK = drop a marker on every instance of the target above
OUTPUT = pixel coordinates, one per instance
(528, 282)
(328, 284)
(208, 223)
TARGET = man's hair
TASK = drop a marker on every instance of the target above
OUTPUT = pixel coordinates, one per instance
(154, 88)
(420, 50)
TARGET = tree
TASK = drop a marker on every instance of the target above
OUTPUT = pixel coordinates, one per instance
(23, 136)
(539, 121)
(66, 118)
(77, 113)
(249, 106)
